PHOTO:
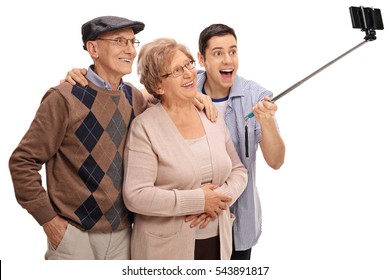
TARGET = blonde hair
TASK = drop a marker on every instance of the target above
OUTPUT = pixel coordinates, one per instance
(154, 59)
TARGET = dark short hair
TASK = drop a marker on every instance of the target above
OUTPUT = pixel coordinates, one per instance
(217, 29)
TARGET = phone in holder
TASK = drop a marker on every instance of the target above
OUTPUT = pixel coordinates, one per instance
(367, 19)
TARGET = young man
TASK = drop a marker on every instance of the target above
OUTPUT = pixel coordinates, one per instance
(235, 97)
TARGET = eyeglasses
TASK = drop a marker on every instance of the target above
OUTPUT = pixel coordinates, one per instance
(123, 42)
(179, 70)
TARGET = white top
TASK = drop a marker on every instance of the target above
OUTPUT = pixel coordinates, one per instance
(200, 149)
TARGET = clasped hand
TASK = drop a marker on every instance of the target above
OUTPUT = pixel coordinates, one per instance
(215, 203)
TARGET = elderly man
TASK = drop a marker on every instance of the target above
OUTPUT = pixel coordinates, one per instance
(79, 134)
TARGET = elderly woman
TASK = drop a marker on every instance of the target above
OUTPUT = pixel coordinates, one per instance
(178, 163)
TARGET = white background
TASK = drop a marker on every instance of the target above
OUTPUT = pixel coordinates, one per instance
(325, 212)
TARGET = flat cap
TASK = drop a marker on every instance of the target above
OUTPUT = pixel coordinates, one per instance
(97, 26)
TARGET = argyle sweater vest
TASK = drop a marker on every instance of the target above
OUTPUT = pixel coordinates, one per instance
(79, 133)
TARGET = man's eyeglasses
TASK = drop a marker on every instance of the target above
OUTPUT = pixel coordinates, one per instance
(179, 70)
(123, 42)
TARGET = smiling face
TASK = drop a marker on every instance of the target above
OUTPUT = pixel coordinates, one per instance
(112, 61)
(220, 62)
(167, 70)
(182, 87)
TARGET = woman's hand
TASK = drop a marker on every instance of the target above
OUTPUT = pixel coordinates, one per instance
(202, 219)
(215, 202)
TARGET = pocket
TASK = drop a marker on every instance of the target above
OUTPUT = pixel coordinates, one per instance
(167, 239)
(149, 246)
(230, 219)
(160, 240)
(64, 239)
(160, 227)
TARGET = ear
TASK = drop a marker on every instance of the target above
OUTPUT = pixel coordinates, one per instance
(92, 48)
(160, 90)
(201, 59)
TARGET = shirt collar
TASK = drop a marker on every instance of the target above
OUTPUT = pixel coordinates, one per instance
(235, 90)
(98, 81)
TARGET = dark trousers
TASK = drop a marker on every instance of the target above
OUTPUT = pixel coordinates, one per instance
(207, 249)
(240, 255)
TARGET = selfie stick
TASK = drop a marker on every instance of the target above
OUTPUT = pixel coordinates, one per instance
(370, 36)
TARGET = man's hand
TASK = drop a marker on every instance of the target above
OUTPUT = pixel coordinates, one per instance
(76, 75)
(264, 110)
(55, 230)
(215, 203)
(204, 102)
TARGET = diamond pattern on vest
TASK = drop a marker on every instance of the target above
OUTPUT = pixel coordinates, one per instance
(115, 172)
(89, 132)
(115, 214)
(91, 174)
(89, 213)
(86, 95)
(102, 119)
(117, 128)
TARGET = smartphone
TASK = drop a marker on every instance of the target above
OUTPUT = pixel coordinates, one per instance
(366, 18)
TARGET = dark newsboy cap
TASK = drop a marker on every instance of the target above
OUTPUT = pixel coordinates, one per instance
(97, 26)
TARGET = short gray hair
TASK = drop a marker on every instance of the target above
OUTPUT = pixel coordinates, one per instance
(154, 59)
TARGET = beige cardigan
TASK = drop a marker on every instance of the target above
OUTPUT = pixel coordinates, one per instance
(162, 184)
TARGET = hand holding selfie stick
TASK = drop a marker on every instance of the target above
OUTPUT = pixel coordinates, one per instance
(367, 19)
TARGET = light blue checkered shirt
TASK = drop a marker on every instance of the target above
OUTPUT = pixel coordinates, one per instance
(244, 94)
(98, 81)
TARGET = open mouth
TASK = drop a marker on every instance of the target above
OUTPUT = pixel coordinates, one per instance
(127, 60)
(189, 84)
(226, 72)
